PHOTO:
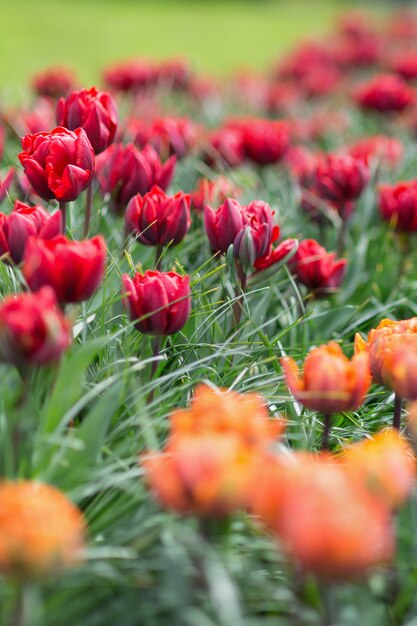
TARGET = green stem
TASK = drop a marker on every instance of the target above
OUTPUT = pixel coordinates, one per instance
(398, 405)
(88, 208)
(63, 209)
(341, 241)
(238, 303)
(158, 258)
(325, 436)
(156, 349)
(17, 617)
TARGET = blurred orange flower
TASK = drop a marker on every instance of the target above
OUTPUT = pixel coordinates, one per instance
(40, 530)
(331, 382)
(219, 411)
(385, 464)
(206, 475)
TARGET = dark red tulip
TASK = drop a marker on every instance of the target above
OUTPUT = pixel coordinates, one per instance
(316, 268)
(53, 82)
(398, 205)
(26, 221)
(163, 299)
(168, 135)
(264, 141)
(59, 164)
(340, 179)
(33, 331)
(93, 110)
(249, 228)
(276, 255)
(74, 269)
(157, 219)
(133, 75)
(124, 171)
(386, 93)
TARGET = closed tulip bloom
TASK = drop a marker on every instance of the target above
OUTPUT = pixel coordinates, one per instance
(205, 476)
(33, 330)
(340, 178)
(168, 135)
(249, 228)
(387, 151)
(330, 382)
(329, 524)
(385, 93)
(59, 164)
(41, 531)
(93, 110)
(266, 141)
(397, 355)
(124, 171)
(53, 82)
(385, 463)
(130, 76)
(221, 411)
(316, 268)
(157, 219)
(163, 299)
(24, 222)
(74, 269)
(398, 205)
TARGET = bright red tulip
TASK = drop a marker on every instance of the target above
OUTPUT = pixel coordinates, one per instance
(157, 219)
(133, 75)
(398, 205)
(168, 135)
(24, 222)
(340, 178)
(74, 269)
(53, 82)
(33, 331)
(124, 171)
(59, 164)
(385, 150)
(163, 299)
(386, 93)
(316, 268)
(93, 110)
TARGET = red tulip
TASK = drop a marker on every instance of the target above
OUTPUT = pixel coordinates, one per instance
(157, 219)
(131, 75)
(398, 205)
(24, 222)
(74, 269)
(53, 82)
(405, 64)
(386, 150)
(284, 250)
(59, 164)
(316, 268)
(163, 299)
(340, 178)
(249, 228)
(124, 171)
(33, 331)
(386, 93)
(225, 145)
(93, 110)
(264, 141)
(168, 135)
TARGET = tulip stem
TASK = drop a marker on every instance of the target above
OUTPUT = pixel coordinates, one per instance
(63, 209)
(88, 208)
(341, 241)
(158, 258)
(325, 436)
(240, 290)
(18, 613)
(398, 405)
(156, 349)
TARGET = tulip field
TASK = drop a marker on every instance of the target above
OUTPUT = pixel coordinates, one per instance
(208, 339)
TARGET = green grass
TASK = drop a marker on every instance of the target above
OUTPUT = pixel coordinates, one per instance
(216, 36)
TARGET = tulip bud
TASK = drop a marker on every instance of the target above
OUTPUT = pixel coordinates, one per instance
(74, 269)
(59, 164)
(331, 383)
(157, 219)
(124, 171)
(398, 205)
(24, 222)
(41, 531)
(33, 330)
(386, 93)
(93, 110)
(162, 299)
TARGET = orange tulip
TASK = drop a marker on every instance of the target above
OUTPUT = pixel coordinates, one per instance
(40, 530)
(331, 382)
(329, 523)
(385, 464)
(208, 476)
(218, 411)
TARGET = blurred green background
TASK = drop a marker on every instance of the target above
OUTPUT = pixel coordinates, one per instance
(216, 35)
